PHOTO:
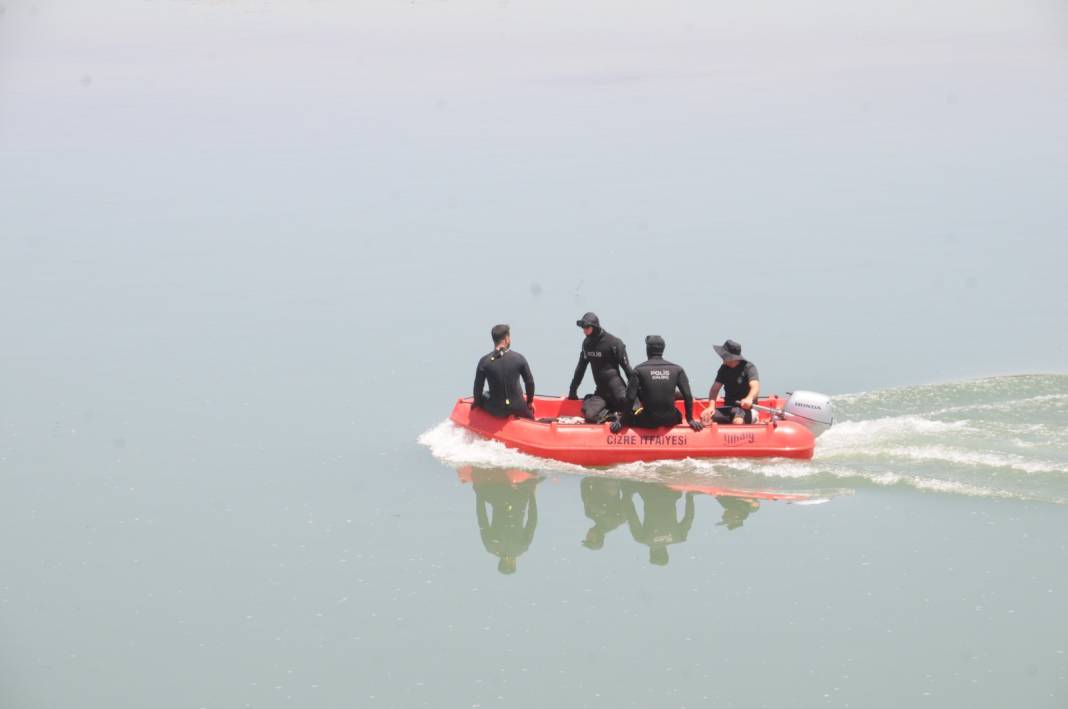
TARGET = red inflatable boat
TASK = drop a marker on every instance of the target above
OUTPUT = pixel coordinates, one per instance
(596, 445)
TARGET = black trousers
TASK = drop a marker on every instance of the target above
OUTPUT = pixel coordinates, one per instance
(515, 407)
(727, 414)
(654, 419)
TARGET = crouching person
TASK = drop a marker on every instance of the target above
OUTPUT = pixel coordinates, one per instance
(654, 383)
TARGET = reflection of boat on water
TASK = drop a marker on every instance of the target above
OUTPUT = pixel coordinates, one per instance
(507, 511)
(660, 525)
(737, 492)
(467, 474)
(786, 428)
(608, 503)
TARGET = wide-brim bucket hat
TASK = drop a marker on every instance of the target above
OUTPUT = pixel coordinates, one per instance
(729, 351)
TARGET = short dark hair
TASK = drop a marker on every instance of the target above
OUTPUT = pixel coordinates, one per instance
(499, 332)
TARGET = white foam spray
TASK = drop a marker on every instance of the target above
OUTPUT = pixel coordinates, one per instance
(1003, 437)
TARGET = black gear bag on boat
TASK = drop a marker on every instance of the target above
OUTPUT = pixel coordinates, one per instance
(594, 409)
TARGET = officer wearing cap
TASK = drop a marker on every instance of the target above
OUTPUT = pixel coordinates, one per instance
(607, 356)
(654, 383)
(741, 383)
(502, 369)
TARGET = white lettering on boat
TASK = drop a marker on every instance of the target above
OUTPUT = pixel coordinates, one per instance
(739, 439)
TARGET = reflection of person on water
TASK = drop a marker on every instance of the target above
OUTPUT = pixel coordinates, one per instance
(508, 531)
(502, 369)
(602, 499)
(661, 525)
(736, 509)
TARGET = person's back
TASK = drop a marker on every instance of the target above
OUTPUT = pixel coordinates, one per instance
(654, 383)
(657, 382)
(502, 370)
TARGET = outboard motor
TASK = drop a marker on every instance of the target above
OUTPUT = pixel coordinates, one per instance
(810, 409)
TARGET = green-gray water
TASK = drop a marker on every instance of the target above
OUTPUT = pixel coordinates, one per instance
(251, 251)
(215, 567)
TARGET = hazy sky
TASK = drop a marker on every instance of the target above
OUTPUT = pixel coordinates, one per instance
(882, 185)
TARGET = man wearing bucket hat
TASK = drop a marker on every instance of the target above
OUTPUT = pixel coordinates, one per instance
(607, 356)
(741, 382)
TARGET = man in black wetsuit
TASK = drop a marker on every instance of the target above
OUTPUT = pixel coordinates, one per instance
(502, 369)
(740, 379)
(607, 355)
(654, 383)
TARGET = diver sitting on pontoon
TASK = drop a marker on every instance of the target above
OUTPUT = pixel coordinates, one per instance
(654, 383)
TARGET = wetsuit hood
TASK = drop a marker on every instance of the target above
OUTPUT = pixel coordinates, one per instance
(654, 346)
(590, 320)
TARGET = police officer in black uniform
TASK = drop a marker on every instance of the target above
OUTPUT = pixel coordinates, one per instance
(502, 368)
(654, 382)
(607, 355)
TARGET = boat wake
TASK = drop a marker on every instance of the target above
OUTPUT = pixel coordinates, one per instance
(458, 446)
(1002, 437)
